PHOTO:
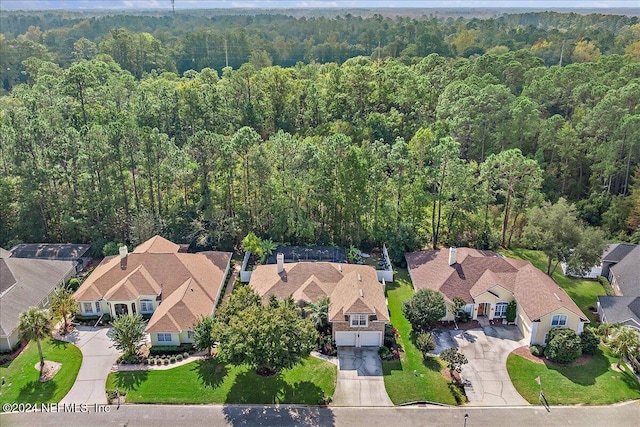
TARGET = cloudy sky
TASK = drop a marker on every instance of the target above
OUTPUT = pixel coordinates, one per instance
(204, 4)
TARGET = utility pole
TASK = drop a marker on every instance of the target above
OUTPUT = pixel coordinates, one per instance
(226, 53)
(173, 6)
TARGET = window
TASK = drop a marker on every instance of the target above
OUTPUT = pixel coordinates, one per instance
(190, 335)
(146, 306)
(559, 320)
(359, 320)
(88, 307)
(164, 337)
(98, 308)
(501, 310)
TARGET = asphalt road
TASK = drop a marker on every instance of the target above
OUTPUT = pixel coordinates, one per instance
(621, 415)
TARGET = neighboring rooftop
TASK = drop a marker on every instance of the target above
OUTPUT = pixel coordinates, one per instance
(310, 253)
(351, 288)
(53, 251)
(623, 310)
(187, 284)
(615, 252)
(476, 272)
(627, 273)
(24, 283)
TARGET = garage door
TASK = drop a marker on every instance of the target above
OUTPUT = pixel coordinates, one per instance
(346, 339)
(370, 339)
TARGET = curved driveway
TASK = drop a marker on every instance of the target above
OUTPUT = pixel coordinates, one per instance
(98, 356)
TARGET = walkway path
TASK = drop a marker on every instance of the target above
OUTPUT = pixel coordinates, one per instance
(98, 356)
(231, 282)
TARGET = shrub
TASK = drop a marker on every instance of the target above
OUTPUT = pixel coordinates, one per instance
(536, 350)
(170, 349)
(73, 284)
(179, 358)
(384, 353)
(511, 312)
(457, 392)
(185, 355)
(589, 340)
(172, 359)
(165, 361)
(563, 345)
(454, 359)
(390, 336)
(424, 343)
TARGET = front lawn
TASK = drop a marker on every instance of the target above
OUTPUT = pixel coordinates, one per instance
(22, 384)
(399, 379)
(594, 383)
(583, 292)
(207, 381)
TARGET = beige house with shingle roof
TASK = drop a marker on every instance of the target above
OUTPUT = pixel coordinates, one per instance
(172, 289)
(358, 310)
(488, 282)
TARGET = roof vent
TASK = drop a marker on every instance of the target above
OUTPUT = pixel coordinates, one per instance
(361, 294)
(280, 262)
(557, 297)
(359, 278)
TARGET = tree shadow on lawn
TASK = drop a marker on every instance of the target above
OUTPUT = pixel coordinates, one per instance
(279, 416)
(210, 372)
(36, 391)
(58, 344)
(130, 380)
(250, 388)
(583, 374)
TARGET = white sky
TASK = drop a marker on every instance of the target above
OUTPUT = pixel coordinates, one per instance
(205, 4)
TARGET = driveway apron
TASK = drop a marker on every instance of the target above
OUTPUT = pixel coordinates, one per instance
(360, 380)
(98, 356)
(487, 349)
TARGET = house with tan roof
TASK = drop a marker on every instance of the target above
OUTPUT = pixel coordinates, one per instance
(488, 282)
(170, 288)
(358, 309)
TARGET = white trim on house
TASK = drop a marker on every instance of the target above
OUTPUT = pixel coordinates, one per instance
(562, 320)
(358, 318)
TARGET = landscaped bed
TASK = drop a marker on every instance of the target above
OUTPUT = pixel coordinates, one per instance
(22, 383)
(591, 380)
(411, 379)
(207, 381)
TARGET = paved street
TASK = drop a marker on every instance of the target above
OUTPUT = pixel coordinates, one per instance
(625, 415)
(98, 356)
(360, 381)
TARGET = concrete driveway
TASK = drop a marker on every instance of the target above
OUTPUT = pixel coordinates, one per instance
(98, 356)
(360, 380)
(487, 349)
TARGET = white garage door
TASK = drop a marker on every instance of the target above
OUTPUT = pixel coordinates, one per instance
(346, 339)
(370, 339)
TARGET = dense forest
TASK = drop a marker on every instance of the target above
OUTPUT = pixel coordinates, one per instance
(333, 131)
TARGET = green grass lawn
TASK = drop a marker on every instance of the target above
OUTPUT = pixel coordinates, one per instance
(207, 381)
(401, 383)
(594, 383)
(22, 383)
(583, 291)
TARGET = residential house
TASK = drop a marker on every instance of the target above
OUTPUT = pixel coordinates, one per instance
(358, 310)
(78, 253)
(622, 310)
(171, 288)
(488, 282)
(24, 283)
(624, 274)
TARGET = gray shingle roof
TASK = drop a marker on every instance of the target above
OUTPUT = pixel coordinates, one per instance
(33, 280)
(617, 251)
(57, 251)
(627, 273)
(624, 310)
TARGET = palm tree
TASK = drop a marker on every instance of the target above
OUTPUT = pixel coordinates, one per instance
(65, 306)
(36, 324)
(625, 343)
(319, 313)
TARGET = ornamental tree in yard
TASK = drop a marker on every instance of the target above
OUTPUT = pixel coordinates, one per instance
(563, 345)
(269, 338)
(203, 333)
(625, 343)
(128, 333)
(65, 306)
(35, 324)
(424, 308)
(455, 360)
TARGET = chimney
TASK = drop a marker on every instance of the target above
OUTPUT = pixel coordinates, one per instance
(452, 256)
(280, 262)
(340, 268)
(123, 251)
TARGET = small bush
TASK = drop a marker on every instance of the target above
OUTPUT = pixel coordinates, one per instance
(179, 358)
(589, 340)
(563, 345)
(165, 361)
(185, 355)
(536, 350)
(425, 343)
(73, 284)
(390, 336)
(511, 312)
(457, 392)
(172, 359)
(384, 353)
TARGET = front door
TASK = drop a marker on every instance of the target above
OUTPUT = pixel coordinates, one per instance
(121, 309)
(483, 309)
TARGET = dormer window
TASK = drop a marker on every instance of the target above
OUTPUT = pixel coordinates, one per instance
(359, 320)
